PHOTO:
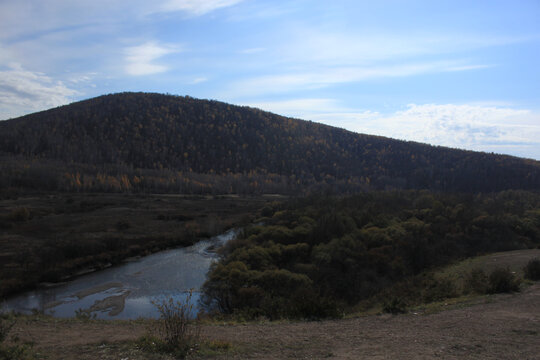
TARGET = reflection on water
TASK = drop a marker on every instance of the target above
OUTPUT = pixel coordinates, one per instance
(126, 291)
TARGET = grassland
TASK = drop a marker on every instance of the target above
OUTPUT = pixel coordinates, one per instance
(52, 237)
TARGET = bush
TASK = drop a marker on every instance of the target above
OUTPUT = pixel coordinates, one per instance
(438, 289)
(122, 225)
(6, 323)
(477, 282)
(19, 214)
(15, 351)
(502, 281)
(532, 269)
(173, 328)
(395, 306)
(84, 315)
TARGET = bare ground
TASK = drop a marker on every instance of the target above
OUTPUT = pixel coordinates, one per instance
(495, 327)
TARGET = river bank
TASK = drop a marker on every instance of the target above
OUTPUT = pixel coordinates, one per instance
(49, 238)
(505, 326)
(127, 291)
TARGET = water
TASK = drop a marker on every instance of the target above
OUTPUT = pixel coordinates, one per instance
(127, 291)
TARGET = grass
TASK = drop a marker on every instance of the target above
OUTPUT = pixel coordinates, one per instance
(156, 347)
(51, 237)
(29, 328)
(458, 295)
(11, 347)
(459, 302)
(514, 260)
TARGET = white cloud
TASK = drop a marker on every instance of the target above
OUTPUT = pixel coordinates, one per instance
(33, 18)
(313, 45)
(464, 125)
(253, 50)
(488, 126)
(197, 7)
(23, 91)
(78, 79)
(139, 59)
(199, 80)
(482, 128)
(326, 76)
(297, 107)
(468, 67)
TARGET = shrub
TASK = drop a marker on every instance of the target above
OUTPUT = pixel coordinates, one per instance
(19, 214)
(6, 323)
(220, 345)
(438, 289)
(477, 282)
(173, 328)
(267, 211)
(84, 315)
(15, 351)
(502, 280)
(122, 225)
(532, 269)
(395, 306)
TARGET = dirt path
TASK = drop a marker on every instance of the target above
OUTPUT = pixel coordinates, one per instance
(504, 327)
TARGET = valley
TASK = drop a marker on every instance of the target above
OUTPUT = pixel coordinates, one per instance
(487, 327)
(51, 237)
(350, 245)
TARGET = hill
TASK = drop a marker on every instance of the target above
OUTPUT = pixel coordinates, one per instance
(164, 143)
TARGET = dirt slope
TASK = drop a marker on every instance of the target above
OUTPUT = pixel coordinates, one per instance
(499, 327)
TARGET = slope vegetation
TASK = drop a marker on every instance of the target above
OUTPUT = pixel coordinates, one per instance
(501, 327)
(153, 142)
(318, 256)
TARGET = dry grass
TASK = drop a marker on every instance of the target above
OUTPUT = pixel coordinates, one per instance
(503, 326)
(513, 260)
(61, 235)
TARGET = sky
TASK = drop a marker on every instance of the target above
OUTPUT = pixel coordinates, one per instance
(463, 74)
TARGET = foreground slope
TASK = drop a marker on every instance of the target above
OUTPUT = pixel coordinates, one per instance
(117, 134)
(498, 327)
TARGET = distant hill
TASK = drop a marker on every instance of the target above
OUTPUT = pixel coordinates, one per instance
(155, 142)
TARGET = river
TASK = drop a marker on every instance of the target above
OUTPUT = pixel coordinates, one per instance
(126, 291)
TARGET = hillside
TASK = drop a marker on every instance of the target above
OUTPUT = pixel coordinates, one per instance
(141, 141)
(493, 331)
(319, 256)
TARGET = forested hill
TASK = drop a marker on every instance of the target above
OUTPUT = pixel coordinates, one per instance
(133, 136)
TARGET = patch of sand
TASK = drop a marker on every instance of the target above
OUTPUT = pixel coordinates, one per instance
(97, 289)
(114, 303)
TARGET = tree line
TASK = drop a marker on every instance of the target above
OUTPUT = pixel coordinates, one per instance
(318, 255)
(144, 132)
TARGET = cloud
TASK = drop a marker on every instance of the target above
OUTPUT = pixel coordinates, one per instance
(326, 76)
(252, 50)
(474, 127)
(297, 107)
(23, 91)
(81, 78)
(197, 7)
(199, 80)
(139, 59)
(312, 45)
(487, 126)
(464, 125)
(468, 67)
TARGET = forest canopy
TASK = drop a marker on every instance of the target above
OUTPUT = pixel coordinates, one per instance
(317, 255)
(143, 142)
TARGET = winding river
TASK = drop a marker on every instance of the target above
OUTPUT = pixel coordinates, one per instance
(127, 291)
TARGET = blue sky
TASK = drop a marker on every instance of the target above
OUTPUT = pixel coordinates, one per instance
(464, 74)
